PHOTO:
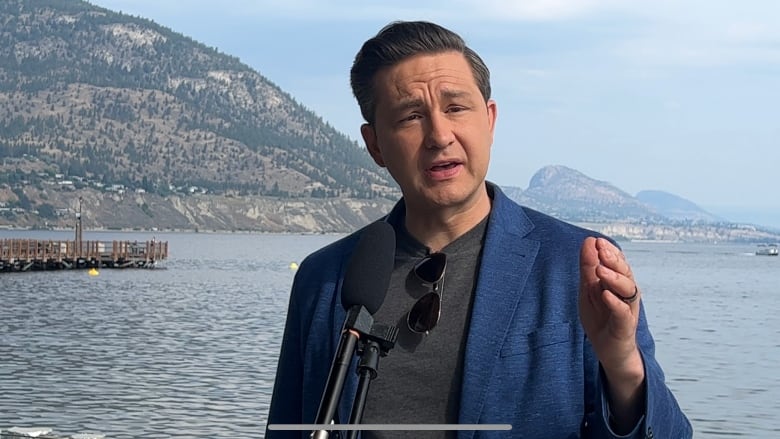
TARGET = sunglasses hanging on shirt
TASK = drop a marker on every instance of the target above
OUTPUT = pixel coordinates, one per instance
(425, 313)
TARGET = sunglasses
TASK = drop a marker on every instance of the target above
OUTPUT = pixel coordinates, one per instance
(425, 313)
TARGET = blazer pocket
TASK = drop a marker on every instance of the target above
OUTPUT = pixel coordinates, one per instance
(543, 336)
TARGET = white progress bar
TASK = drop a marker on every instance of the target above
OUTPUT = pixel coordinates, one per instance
(388, 427)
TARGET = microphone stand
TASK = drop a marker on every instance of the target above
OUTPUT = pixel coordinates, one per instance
(377, 344)
(358, 321)
(379, 339)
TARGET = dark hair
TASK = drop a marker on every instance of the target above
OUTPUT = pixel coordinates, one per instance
(398, 41)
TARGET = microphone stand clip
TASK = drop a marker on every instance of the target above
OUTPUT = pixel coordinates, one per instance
(375, 345)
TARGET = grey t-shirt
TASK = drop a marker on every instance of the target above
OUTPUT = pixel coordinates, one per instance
(419, 381)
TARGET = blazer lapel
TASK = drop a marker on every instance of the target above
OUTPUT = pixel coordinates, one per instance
(506, 263)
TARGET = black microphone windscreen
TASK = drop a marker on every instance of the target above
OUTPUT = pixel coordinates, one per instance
(369, 268)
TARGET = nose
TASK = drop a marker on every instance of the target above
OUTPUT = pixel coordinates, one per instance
(439, 131)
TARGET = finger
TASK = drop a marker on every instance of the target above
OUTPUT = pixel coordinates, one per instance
(611, 256)
(618, 284)
(614, 301)
(589, 260)
(628, 299)
(590, 300)
(626, 316)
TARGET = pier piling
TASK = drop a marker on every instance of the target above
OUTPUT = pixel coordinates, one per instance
(22, 255)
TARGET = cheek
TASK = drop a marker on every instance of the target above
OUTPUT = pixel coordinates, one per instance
(399, 150)
(400, 163)
(394, 161)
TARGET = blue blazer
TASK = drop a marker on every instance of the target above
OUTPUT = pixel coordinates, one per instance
(527, 362)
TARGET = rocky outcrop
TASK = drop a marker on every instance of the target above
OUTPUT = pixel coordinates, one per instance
(197, 212)
(204, 212)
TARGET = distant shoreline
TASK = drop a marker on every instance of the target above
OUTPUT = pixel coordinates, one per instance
(133, 230)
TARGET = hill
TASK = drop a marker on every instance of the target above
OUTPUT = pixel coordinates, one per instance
(119, 100)
(652, 215)
(144, 128)
(569, 194)
(566, 193)
(674, 207)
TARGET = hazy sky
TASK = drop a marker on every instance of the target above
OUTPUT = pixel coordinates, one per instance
(674, 95)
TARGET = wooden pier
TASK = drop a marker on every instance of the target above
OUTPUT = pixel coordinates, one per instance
(37, 255)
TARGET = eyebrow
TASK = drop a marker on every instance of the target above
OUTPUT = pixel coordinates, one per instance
(450, 93)
(415, 102)
(408, 103)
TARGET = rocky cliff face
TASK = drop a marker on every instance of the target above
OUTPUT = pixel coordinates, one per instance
(202, 212)
(57, 208)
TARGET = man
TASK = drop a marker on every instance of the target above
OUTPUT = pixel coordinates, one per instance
(540, 326)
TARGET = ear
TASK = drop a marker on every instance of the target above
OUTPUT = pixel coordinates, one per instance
(492, 113)
(369, 137)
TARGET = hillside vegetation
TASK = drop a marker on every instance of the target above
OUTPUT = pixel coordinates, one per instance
(120, 100)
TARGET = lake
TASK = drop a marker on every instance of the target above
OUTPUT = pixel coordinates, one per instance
(189, 349)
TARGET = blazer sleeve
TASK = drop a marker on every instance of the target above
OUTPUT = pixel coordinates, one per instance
(287, 399)
(663, 417)
(307, 343)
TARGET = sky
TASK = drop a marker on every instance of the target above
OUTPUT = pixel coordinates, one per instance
(681, 96)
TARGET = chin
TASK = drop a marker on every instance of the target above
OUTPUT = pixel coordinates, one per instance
(449, 196)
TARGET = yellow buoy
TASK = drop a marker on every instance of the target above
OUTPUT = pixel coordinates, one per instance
(293, 266)
(93, 272)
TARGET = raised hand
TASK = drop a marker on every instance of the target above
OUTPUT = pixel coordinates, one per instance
(609, 312)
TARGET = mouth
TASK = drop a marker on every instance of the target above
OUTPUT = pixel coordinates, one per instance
(443, 166)
(444, 170)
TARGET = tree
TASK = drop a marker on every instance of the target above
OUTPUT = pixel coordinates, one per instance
(47, 211)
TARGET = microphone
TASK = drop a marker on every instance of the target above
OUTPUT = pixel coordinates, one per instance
(368, 270)
(364, 289)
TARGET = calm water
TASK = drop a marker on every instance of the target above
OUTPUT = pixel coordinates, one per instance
(190, 350)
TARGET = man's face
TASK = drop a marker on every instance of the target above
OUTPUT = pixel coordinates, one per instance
(433, 130)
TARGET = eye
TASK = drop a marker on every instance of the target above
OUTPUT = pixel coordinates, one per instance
(456, 109)
(410, 117)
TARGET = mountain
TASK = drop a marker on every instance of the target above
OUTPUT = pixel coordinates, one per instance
(119, 100)
(674, 207)
(652, 215)
(134, 126)
(568, 194)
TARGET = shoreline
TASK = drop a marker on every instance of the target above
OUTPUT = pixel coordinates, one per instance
(158, 230)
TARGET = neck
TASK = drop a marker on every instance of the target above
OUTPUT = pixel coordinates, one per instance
(437, 227)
